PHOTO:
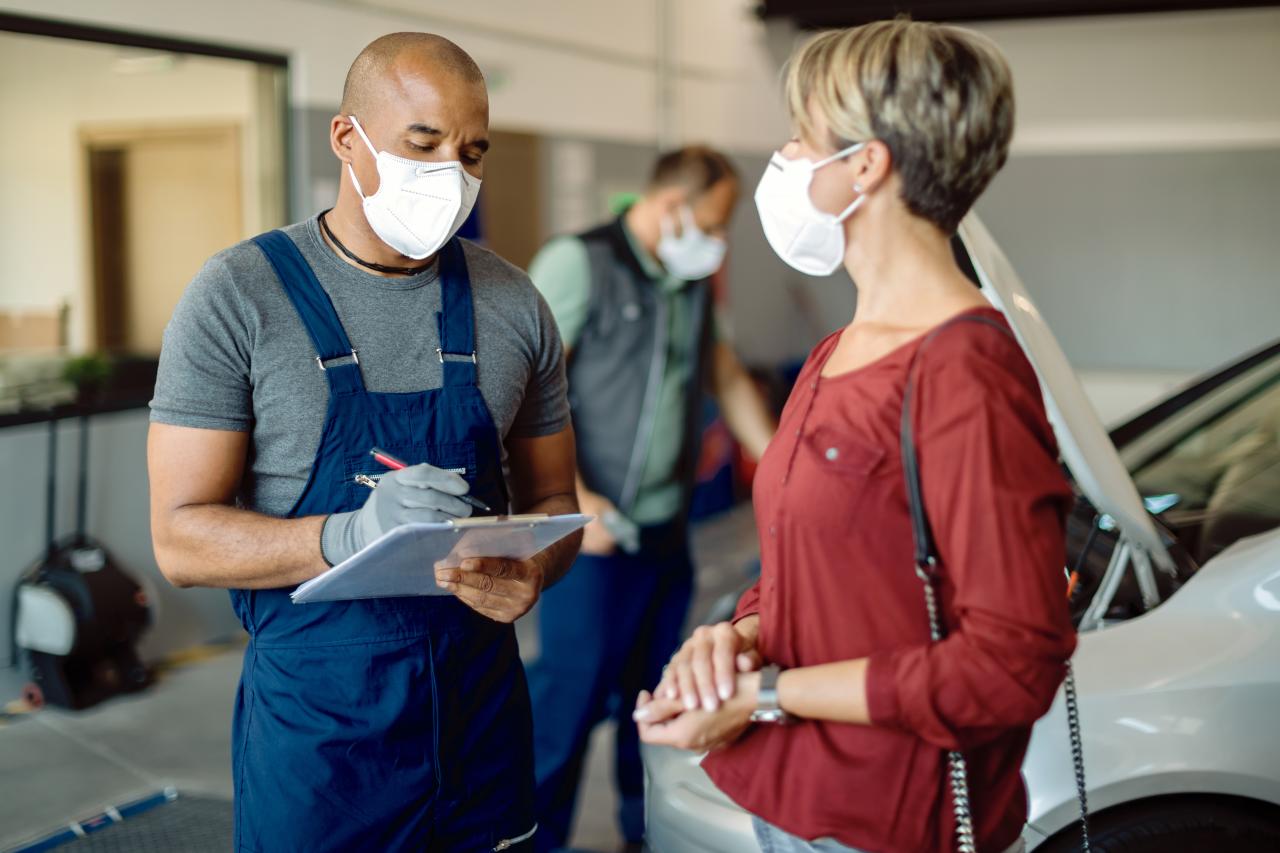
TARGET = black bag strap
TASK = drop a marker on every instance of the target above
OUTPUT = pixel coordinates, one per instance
(926, 564)
(925, 551)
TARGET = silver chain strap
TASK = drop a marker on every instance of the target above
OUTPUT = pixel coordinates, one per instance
(958, 769)
(1077, 754)
(958, 772)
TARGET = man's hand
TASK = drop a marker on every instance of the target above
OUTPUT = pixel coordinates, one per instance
(419, 493)
(666, 722)
(596, 539)
(502, 590)
(705, 671)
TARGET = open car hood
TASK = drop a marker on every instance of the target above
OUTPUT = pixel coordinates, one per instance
(1083, 441)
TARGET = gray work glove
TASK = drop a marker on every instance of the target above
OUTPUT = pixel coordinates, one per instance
(421, 493)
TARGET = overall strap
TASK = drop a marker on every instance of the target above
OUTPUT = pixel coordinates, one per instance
(457, 352)
(315, 309)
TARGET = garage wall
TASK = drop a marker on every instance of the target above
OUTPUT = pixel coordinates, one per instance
(1146, 261)
(1141, 199)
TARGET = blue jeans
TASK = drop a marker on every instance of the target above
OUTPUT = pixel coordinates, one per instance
(774, 840)
(606, 631)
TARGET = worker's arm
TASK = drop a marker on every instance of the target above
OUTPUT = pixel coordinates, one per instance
(744, 410)
(543, 476)
(562, 273)
(543, 472)
(200, 537)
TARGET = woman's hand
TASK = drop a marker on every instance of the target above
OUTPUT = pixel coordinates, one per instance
(665, 721)
(703, 673)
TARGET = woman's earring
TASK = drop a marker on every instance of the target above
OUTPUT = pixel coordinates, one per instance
(857, 188)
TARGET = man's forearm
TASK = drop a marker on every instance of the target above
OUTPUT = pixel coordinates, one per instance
(745, 413)
(221, 546)
(556, 560)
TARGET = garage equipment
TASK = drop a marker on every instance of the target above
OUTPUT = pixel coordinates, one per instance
(77, 616)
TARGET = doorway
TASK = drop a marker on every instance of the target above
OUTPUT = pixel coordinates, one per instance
(161, 201)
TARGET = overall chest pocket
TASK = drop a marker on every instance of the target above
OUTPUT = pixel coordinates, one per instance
(835, 473)
(460, 458)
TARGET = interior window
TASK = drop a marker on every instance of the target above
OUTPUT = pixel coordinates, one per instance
(1220, 482)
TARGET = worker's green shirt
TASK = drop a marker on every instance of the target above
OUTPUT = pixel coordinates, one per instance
(562, 272)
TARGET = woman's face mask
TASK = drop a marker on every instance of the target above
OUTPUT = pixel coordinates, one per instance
(804, 237)
(419, 205)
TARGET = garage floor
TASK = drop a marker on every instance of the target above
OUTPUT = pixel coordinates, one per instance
(57, 766)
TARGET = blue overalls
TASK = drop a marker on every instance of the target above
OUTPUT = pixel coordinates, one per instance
(389, 724)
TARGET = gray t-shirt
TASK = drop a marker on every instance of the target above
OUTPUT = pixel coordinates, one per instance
(236, 356)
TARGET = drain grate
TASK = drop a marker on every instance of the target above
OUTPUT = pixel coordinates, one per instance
(189, 824)
(161, 824)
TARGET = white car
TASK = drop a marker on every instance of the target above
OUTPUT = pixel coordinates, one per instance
(1176, 540)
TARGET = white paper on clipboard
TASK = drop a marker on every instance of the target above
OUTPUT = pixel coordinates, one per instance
(402, 561)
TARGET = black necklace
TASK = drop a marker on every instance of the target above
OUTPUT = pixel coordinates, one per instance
(361, 261)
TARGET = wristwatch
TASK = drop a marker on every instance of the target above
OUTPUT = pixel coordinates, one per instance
(768, 709)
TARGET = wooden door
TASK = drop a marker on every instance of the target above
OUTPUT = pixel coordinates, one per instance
(163, 202)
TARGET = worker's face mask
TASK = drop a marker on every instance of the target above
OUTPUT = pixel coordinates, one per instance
(419, 205)
(808, 239)
(692, 254)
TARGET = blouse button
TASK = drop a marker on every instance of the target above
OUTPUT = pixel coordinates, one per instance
(832, 454)
(772, 530)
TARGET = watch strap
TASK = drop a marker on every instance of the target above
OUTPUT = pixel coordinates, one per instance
(768, 707)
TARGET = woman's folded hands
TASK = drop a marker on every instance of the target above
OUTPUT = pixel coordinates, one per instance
(708, 690)
(668, 722)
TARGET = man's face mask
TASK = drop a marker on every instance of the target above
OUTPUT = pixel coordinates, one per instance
(418, 205)
(693, 254)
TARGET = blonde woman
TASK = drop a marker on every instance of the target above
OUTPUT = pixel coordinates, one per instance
(828, 709)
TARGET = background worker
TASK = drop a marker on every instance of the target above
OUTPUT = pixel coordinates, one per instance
(394, 724)
(633, 302)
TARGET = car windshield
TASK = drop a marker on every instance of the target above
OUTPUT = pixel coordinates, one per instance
(1220, 481)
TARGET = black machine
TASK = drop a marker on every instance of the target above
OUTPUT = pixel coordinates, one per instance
(77, 616)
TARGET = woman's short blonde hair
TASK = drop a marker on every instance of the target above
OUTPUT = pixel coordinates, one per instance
(940, 98)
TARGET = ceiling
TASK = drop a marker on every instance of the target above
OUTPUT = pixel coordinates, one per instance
(816, 14)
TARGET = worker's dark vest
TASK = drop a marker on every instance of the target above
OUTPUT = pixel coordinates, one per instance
(616, 369)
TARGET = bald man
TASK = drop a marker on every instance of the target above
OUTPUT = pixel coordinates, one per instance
(386, 723)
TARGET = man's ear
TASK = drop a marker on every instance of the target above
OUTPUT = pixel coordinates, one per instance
(341, 134)
(872, 165)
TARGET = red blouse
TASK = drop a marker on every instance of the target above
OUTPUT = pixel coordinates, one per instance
(837, 583)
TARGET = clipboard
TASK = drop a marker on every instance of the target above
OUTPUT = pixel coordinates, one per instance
(402, 561)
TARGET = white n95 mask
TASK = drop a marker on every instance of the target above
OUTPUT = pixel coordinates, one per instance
(692, 255)
(418, 205)
(806, 238)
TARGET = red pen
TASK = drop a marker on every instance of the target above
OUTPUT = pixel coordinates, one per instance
(385, 458)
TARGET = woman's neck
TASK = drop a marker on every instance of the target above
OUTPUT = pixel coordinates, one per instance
(905, 273)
